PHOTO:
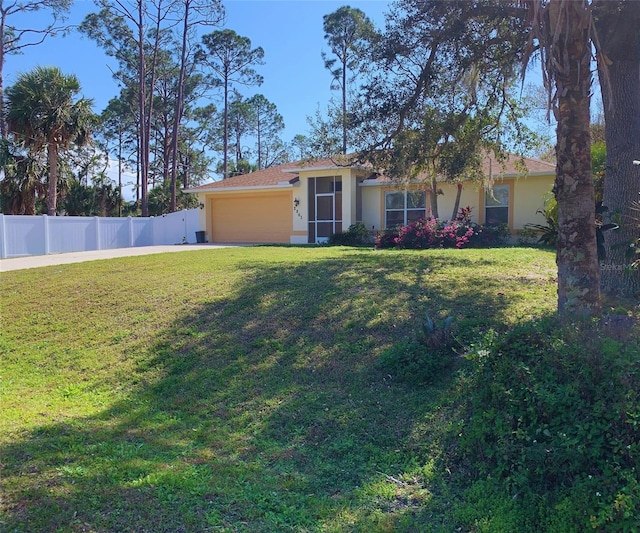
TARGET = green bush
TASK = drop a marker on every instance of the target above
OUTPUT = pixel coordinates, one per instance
(357, 234)
(413, 362)
(423, 359)
(552, 414)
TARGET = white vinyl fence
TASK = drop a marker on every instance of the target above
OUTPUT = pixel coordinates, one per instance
(23, 235)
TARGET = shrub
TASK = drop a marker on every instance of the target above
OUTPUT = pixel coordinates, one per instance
(435, 233)
(553, 415)
(422, 359)
(547, 234)
(387, 238)
(357, 234)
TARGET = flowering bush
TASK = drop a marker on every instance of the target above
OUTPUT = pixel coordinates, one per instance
(431, 232)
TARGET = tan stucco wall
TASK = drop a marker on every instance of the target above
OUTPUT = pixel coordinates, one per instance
(527, 196)
(371, 207)
(256, 216)
(373, 201)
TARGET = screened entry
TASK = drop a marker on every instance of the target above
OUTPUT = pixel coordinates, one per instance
(325, 208)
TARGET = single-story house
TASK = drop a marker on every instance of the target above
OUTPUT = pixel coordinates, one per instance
(306, 202)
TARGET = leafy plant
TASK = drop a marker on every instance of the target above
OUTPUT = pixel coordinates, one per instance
(601, 227)
(547, 234)
(437, 336)
(357, 234)
(421, 360)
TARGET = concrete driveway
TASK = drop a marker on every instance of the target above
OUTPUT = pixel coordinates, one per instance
(35, 261)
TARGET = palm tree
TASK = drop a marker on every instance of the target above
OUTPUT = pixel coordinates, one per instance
(562, 31)
(41, 114)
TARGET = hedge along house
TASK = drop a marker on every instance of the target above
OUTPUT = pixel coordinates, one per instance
(306, 202)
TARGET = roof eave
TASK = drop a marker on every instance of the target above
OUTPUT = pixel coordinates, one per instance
(511, 175)
(298, 170)
(282, 185)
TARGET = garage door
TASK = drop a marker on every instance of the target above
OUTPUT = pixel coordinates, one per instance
(252, 218)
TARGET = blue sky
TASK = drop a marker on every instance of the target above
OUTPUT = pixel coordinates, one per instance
(289, 31)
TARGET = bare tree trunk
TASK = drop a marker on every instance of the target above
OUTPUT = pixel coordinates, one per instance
(3, 121)
(225, 134)
(577, 258)
(119, 171)
(142, 110)
(456, 205)
(52, 194)
(344, 108)
(433, 195)
(177, 118)
(617, 27)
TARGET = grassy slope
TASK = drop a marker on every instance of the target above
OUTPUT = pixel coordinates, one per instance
(237, 390)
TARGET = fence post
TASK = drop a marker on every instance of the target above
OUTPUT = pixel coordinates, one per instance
(3, 238)
(47, 244)
(130, 232)
(98, 239)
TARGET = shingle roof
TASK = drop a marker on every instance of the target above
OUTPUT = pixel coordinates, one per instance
(262, 178)
(513, 166)
(287, 173)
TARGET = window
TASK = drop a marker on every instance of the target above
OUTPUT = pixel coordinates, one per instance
(403, 207)
(496, 205)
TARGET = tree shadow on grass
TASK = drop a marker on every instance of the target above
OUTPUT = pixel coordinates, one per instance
(263, 410)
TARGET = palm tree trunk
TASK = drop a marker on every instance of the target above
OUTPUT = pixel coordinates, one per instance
(577, 258)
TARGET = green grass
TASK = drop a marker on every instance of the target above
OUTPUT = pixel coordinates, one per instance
(239, 389)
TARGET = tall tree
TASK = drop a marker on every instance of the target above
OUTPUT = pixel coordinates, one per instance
(118, 133)
(268, 125)
(300, 147)
(241, 123)
(451, 40)
(14, 39)
(617, 43)
(348, 32)
(562, 31)
(42, 115)
(193, 14)
(232, 59)
(134, 31)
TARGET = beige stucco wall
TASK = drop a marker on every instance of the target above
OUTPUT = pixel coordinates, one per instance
(373, 201)
(527, 197)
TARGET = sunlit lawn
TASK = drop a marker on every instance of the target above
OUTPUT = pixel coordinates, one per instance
(237, 389)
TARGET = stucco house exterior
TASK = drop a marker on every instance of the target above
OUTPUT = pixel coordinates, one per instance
(305, 202)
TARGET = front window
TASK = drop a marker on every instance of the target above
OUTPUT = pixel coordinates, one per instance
(496, 204)
(403, 207)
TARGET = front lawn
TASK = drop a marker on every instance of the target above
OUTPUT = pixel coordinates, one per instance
(241, 389)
